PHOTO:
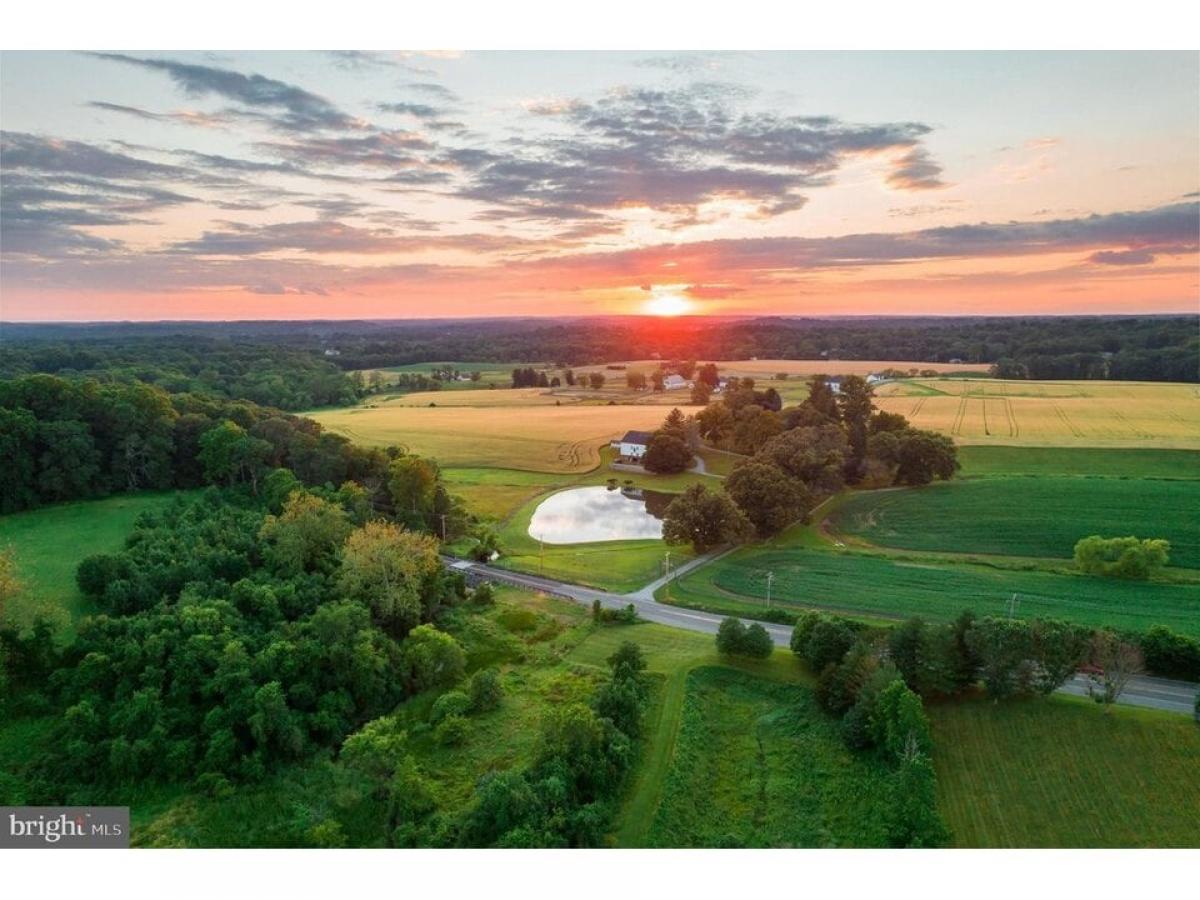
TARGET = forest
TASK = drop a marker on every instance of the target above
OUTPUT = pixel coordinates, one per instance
(297, 367)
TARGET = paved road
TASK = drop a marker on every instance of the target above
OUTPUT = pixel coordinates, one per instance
(1143, 690)
(1155, 693)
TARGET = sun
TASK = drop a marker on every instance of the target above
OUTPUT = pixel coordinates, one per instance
(667, 305)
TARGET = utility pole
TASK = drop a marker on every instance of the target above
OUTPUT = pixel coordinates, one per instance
(542, 554)
(667, 564)
(443, 528)
(1012, 605)
(770, 581)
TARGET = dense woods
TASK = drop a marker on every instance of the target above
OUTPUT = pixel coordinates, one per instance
(71, 439)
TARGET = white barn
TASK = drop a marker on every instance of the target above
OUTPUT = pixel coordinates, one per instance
(675, 383)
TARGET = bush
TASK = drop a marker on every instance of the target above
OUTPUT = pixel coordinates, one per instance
(452, 731)
(757, 642)
(735, 639)
(730, 635)
(1170, 654)
(821, 640)
(1121, 557)
(486, 691)
(484, 594)
(451, 703)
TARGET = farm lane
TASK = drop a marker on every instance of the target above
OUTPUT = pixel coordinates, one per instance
(1142, 690)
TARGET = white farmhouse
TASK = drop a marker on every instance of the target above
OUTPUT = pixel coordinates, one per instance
(675, 383)
(633, 445)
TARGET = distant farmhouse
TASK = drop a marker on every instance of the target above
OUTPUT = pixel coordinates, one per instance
(835, 385)
(633, 445)
(675, 383)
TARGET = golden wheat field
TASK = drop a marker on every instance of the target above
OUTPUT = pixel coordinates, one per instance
(484, 397)
(1050, 413)
(533, 437)
(765, 368)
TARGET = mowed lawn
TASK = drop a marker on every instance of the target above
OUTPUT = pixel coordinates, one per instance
(1040, 413)
(1017, 516)
(49, 543)
(756, 763)
(530, 436)
(876, 585)
(1060, 773)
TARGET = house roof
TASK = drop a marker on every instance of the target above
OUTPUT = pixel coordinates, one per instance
(637, 437)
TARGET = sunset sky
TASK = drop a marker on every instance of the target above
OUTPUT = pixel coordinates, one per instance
(162, 185)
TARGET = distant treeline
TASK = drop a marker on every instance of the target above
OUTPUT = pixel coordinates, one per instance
(267, 372)
(1146, 348)
(76, 439)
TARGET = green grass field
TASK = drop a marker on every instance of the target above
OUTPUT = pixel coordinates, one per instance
(1060, 773)
(756, 764)
(1016, 516)
(1130, 463)
(939, 590)
(50, 542)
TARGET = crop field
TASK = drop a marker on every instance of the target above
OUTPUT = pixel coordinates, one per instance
(49, 543)
(520, 397)
(876, 585)
(756, 764)
(1015, 516)
(535, 438)
(1059, 773)
(1087, 413)
(802, 368)
(982, 461)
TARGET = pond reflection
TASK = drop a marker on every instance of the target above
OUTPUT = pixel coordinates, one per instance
(584, 515)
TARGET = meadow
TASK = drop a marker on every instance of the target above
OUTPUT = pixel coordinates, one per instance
(937, 589)
(1016, 516)
(48, 544)
(757, 764)
(1046, 413)
(1059, 773)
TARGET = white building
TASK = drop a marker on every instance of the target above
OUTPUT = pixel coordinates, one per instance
(835, 385)
(633, 445)
(675, 383)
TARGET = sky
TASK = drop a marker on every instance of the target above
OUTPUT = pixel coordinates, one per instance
(287, 185)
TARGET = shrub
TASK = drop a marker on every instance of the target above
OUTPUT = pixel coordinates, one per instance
(827, 643)
(730, 634)
(484, 594)
(451, 703)
(757, 642)
(452, 731)
(486, 691)
(1171, 654)
(1121, 557)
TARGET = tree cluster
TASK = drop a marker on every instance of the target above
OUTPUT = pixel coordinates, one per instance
(232, 641)
(735, 638)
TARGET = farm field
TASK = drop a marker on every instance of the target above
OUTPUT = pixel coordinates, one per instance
(1015, 516)
(1066, 413)
(756, 764)
(1059, 773)
(981, 460)
(532, 437)
(49, 543)
(802, 368)
(938, 589)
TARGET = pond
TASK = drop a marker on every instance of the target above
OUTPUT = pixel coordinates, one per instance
(588, 514)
